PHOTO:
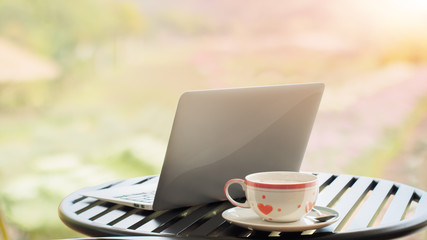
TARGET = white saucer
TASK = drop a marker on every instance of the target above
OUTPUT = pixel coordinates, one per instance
(245, 217)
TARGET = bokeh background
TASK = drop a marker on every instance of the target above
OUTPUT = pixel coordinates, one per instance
(88, 88)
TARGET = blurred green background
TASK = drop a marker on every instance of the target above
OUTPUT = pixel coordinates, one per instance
(88, 89)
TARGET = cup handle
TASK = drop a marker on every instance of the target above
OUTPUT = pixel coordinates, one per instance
(235, 203)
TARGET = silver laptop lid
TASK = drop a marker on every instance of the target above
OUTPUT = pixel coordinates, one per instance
(228, 133)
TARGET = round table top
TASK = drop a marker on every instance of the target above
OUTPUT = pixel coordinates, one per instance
(369, 208)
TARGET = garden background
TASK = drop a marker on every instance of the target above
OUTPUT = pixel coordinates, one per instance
(88, 89)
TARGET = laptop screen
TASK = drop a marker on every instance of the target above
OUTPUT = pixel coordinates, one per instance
(229, 133)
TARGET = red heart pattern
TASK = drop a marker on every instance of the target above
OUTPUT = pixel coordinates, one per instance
(265, 209)
(309, 206)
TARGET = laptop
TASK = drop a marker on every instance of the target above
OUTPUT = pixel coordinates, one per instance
(222, 134)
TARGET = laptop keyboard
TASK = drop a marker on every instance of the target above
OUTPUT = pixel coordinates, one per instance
(144, 197)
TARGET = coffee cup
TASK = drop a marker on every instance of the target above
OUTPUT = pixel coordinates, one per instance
(279, 196)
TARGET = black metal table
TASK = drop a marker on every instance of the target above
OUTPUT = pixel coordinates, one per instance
(369, 208)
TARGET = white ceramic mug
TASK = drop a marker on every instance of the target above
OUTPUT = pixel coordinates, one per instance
(277, 196)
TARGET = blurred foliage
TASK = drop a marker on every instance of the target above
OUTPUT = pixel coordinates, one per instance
(42, 170)
(392, 143)
(24, 94)
(125, 63)
(55, 28)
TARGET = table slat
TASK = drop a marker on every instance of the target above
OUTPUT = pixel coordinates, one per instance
(232, 230)
(349, 195)
(189, 220)
(323, 178)
(398, 205)
(85, 205)
(95, 210)
(335, 188)
(129, 221)
(349, 202)
(422, 206)
(212, 223)
(208, 226)
(371, 206)
(159, 221)
(123, 221)
(259, 234)
(112, 215)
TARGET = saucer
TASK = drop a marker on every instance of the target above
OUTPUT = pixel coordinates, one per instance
(245, 217)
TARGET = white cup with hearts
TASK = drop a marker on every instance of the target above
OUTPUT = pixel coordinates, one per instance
(279, 196)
